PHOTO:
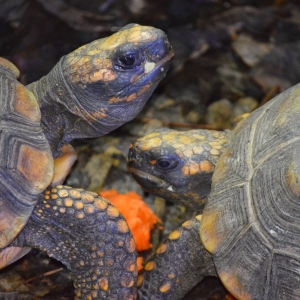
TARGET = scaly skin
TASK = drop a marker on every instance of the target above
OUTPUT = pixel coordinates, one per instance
(250, 223)
(177, 165)
(87, 234)
(171, 279)
(90, 92)
(101, 85)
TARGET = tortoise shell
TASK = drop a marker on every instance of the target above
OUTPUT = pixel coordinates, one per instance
(251, 223)
(26, 163)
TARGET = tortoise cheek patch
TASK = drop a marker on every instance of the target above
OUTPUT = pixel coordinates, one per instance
(36, 166)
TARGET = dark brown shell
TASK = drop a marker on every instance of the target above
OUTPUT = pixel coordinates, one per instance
(251, 223)
(26, 164)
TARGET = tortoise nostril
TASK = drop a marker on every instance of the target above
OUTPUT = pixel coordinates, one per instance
(133, 154)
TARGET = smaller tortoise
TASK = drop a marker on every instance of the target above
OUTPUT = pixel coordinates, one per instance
(90, 92)
(250, 227)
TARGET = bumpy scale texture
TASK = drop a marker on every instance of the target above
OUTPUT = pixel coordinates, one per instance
(88, 235)
(177, 165)
(179, 264)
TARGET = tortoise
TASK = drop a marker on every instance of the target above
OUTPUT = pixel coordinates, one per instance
(250, 226)
(90, 92)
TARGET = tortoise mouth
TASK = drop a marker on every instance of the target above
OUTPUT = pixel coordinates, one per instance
(147, 181)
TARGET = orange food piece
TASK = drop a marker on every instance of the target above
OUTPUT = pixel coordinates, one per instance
(140, 218)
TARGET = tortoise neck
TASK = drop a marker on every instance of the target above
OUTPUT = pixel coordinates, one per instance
(63, 118)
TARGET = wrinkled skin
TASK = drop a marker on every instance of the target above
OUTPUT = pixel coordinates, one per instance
(90, 92)
(249, 231)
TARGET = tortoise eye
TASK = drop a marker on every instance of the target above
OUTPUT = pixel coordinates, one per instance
(167, 163)
(129, 61)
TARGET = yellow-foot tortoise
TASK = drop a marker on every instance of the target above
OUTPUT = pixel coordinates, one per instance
(250, 229)
(90, 92)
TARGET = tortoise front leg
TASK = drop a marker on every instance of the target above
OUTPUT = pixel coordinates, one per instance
(178, 265)
(89, 235)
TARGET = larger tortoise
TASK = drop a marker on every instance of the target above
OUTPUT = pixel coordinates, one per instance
(250, 228)
(90, 92)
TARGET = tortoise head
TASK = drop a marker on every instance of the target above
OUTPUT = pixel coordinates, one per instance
(177, 166)
(113, 77)
(26, 164)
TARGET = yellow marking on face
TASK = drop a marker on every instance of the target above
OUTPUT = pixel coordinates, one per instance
(206, 166)
(103, 284)
(184, 140)
(188, 152)
(100, 204)
(200, 137)
(175, 235)
(194, 168)
(47, 206)
(171, 276)
(116, 100)
(152, 162)
(150, 144)
(131, 97)
(233, 285)
(143, 89)
(186, 170)
(122, 226)
(148, 137)
(169, 136)
(104, 75)
(150, 265)
(214, 151)
(162, 248)
(165, 287)
(198, 150)
(47, 197)
(113, 212)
